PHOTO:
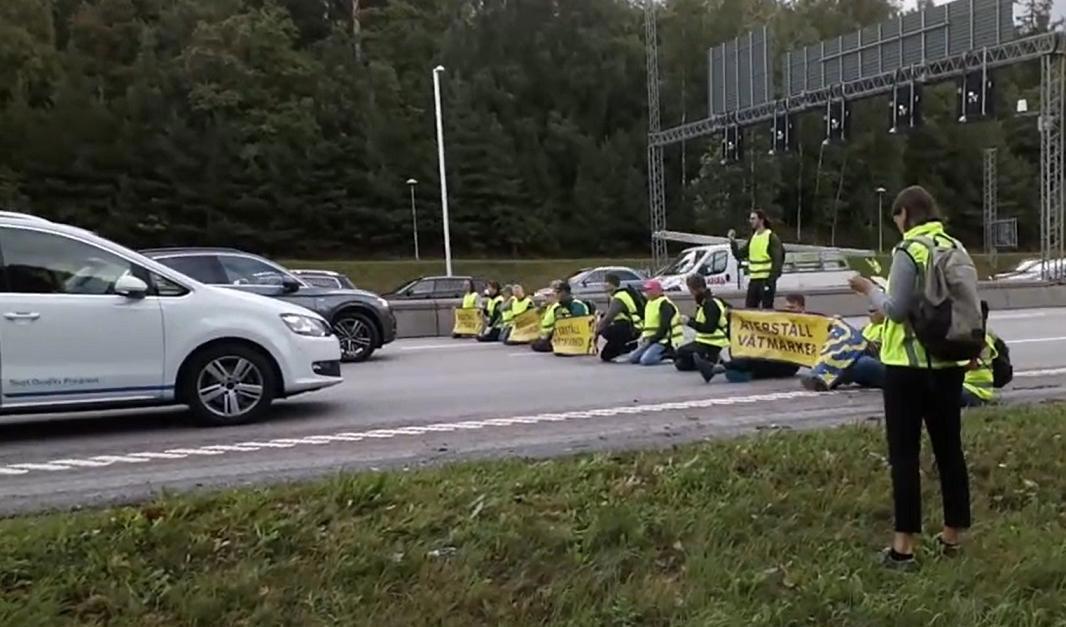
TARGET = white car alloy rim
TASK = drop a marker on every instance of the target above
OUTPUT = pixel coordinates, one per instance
(230, 386)
(354, 336)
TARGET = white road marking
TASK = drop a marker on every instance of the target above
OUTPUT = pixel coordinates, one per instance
(1017, 316)
(445, 427)
(445, 347)
(1034, 340)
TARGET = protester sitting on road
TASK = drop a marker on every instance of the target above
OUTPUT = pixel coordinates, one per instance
(979, 385)
(519, 304)
(849, 356)
(747, 368)
(470, 300)
(565, 306)
(498, 314)
(621, 325)
(662, 332)
(711, 324)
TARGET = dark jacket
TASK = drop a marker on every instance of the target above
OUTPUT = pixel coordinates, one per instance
(777, 254)
(666, 317)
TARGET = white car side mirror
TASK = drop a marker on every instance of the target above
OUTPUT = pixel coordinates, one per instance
(131, 287)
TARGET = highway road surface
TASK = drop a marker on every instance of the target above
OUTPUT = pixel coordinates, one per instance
(430, 401)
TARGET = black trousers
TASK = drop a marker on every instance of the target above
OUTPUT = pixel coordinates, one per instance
(491, 334)
(542, 345)
(621, 339)
(914, 395)
(761, 293)
(684, 361)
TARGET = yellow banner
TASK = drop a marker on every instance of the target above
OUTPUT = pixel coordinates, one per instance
(575, 336)
(467, 322)
(776, 335)
(526, 327)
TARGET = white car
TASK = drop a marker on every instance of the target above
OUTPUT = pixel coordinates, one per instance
(87, 324)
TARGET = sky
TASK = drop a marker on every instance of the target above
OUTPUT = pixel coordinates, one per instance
(1058, 11)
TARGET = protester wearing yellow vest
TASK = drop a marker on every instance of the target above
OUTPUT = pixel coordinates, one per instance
(765, 256)
(918, 387)
(621, 325)
(711, 324)
(662, 332)
(470, 299)
(518, 305)
(565, 306)
(497, 309)
(978, 388)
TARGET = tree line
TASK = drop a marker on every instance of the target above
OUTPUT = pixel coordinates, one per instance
(290, 127)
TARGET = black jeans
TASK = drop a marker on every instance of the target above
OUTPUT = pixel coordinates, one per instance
(621, 339)
(684, 361)
(542, 345)
(761, 293)
(914, 395)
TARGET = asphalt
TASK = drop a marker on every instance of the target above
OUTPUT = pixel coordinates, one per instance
(432, 401)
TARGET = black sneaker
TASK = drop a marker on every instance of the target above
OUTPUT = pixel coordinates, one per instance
(706, 368)
(889, 558)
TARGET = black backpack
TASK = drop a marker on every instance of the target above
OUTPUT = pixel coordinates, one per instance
(638, 300)
(947, 317)
(1002, 370)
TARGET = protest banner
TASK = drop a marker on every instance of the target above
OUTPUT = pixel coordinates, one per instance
(575, 336)
(795, 338)
(526, 328)
(467, 322)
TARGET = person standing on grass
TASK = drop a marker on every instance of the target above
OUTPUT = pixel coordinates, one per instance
(918, 387)
(765, 255)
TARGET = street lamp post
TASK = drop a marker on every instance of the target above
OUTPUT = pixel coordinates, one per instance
(443, 177)
(414, 215)
(881, 219)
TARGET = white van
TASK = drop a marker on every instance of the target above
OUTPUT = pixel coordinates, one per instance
(802, 271)
(86, 324)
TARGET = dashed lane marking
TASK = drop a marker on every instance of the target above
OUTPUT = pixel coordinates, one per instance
(101, 461)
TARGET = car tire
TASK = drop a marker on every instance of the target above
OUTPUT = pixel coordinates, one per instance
(228, 384)
(358, 336)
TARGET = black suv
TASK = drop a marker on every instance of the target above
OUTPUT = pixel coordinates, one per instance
(363, 321)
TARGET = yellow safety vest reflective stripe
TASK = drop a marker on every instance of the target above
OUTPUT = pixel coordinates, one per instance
(630, 313)
(899, 346)
(979, 381)
(519, 307)
(759, 261)
(720, 336)
(470, 300)
(873, 332)
(652, 314)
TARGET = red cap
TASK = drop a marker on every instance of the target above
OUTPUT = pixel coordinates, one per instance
(652, 285)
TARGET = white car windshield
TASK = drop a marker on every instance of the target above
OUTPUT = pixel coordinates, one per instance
(684, 264)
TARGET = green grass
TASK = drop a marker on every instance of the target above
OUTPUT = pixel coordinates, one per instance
(384, 276)
(775, 529)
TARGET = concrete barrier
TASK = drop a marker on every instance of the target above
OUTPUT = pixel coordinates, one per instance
(434, 318)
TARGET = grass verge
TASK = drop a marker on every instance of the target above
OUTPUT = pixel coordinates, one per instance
(774, 529)
(384, 276)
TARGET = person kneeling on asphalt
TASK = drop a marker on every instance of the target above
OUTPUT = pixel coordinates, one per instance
(747, 369)
(519, 304)
(497, 312)
(849, 356)
(565, 306)
(991, 370)
(621, 325)
(662, 332)
(711, 324)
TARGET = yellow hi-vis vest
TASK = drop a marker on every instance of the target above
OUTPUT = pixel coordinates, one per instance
(652, 314)
(557, 310)
(899, 346)
(630, 313)
(979, 381)
(873, 332)
(470, 301)
(759, 261)
(508, 313)
(491, 305)
(519, 307)
(720, 337)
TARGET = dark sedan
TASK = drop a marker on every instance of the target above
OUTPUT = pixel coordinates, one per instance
(363, 321)
(436, 288)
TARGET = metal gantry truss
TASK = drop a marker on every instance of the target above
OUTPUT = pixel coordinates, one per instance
(1046, 47)
(656, 176)
(991, 198)
(1052, 219)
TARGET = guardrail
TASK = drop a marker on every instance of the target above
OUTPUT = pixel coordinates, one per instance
(434, 318)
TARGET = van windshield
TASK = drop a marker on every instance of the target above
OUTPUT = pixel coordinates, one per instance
(684, 264)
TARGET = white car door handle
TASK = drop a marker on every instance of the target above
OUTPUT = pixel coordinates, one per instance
(18, 315)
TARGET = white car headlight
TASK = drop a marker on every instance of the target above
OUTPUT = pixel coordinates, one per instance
(306, 325)
(384, 303)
